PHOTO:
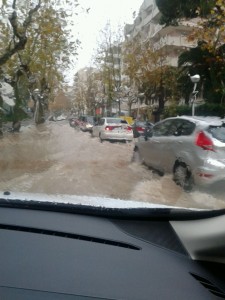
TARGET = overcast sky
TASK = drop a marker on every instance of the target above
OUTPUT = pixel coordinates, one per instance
(89, 24)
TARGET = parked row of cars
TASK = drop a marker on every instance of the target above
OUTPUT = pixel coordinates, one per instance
(192, 149)
(109, 128)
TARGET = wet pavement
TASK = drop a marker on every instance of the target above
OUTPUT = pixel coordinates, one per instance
(54, 158)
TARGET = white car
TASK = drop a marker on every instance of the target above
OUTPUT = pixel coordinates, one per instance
(113, 129)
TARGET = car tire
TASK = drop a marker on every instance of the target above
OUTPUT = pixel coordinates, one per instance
(183, 177)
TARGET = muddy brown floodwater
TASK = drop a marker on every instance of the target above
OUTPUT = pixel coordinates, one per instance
(54, 158)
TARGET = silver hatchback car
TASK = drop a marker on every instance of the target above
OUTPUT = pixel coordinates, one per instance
(191, 148)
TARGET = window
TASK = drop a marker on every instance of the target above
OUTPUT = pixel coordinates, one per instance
(174, 127)
(182, 127)
(185, 128)
(218, 132)
(102, 122)
(114, 121)
(163, 129)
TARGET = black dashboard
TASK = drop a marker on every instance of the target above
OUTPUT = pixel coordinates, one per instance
(60, 255)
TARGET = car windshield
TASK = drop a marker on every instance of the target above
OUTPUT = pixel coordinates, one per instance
(71, 70)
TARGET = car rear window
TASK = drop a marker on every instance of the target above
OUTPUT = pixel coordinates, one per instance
(218, 132)
(140, 123)
(116, 121)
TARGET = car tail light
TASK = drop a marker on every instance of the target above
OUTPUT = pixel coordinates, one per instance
(205, 175)
(129, 128)
(109, 128)
(203, 141)
(140, 129)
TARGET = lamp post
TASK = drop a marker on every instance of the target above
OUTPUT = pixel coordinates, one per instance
(195, 79)
(119, 110)
(119, 90)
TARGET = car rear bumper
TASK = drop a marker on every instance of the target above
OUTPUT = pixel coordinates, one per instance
(212, 172)
(87, 128)
(109, 135)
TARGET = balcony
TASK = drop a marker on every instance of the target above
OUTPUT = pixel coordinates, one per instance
(154, 29)
(176, 41)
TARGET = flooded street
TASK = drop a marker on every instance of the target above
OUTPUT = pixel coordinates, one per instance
(54, 158)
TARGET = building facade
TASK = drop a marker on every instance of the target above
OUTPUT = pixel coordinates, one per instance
(173, 39)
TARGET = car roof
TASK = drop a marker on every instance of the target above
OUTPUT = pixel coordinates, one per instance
(114, 118)
(217, 121)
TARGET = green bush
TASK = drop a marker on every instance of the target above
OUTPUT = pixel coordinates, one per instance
(175, 110)
(18, 114)
(207, 109)
(210, 109)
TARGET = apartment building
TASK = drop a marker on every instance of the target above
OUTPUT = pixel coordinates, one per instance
(173, 39)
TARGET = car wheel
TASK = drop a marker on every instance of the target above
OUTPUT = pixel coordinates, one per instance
(100, 138)
(182, 176)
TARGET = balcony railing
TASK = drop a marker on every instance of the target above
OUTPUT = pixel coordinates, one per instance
(179, 41)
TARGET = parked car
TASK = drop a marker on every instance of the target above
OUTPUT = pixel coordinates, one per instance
(139, 127)
(86, 123)
(74, 122)
(58, 117)
(191, 148)
(113, 129)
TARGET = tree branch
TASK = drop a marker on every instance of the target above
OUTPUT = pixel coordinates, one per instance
(18, 33)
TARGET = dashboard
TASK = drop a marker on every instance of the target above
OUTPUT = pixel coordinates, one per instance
(48, 254)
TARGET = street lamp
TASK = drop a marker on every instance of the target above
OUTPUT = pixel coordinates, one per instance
(119, 109)
(195, 79)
